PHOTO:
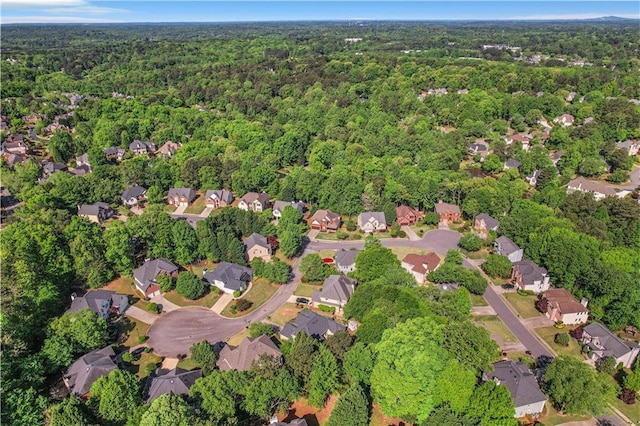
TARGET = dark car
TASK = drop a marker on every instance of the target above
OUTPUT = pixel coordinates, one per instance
(302, 300)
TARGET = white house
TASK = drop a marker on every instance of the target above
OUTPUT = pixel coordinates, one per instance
(527, 397)
(372, 222)
(229, 277)
(279, 206)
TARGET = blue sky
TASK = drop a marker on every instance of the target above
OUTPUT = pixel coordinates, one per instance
(91, 11)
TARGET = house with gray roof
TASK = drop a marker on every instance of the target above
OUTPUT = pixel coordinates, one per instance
(180, 197)
(586, 186)
(345, 260)
(257, 246)
(229, 277)
(96, 212)
(250, 349)
(336, 291)
(135, 194)
(505, 247)
(279, 206)
(174, 382)
(141, 147)
(114, 153)
(295, 422)
(511, 163)
(523, 387)
(217, 198)
(145, 276)
(372, 222)
(50, 167)
(528, 276)
(483, 224)
(312, 324)
(631, 146)
(87, 369)
(101, 302)
(602, 343)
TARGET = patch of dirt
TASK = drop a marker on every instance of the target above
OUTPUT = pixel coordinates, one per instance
(379, 419)
(301, 409)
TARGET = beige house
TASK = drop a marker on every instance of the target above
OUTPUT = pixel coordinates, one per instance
(252, 201)
(419, 265)
(257, 246)
(336, 291)
(244, 355)
(372, 222)
(562, 306)
(96, 212)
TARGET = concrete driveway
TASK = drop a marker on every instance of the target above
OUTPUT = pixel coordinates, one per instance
(412, 235)
(166, 305)
(141, 315)
(221, 303)
(180, 210)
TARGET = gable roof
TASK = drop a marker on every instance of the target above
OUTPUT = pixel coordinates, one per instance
(114, 150)
(402, 211)
(147, 273)
(256, 240)
(325, 215)
(280, 205)
(584, 185)
(137, 144)
(233, 276)
(94, 300)
(92, 209)
(251, 197)
(530, 271)
(134, 192)
(312, 324)
(418, 261)
(563, 300)
(613, 345)
(506, 246)
(168, 147)
(221, 194)
(88, 368)
(187, 193)
(512, 163)
(366, 217)
(490, 222)
(346, 257)
(241, 357)
(337, 287)
(174, 382)
(447, 208)
(519, 380)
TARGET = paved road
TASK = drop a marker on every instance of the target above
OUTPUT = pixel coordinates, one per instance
(635, 181)
(513, 323)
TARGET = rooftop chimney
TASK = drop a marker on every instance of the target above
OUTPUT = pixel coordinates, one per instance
(584, 302)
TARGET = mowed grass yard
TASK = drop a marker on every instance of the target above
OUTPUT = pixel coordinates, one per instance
(306, 290)
(477, 300)
(524, 305)
(129, 329)
(260, 291)
(285, 313)
(494, 325)
(548, 334)
(197, 206)
(209, 299)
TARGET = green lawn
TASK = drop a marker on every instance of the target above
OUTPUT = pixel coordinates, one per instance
(548, 334)
(477, 300)
(197, 206)
(236, 339)
(284, 314)
(551, 417)
(521, 357)
(139, 366)
(494, 325)
(306, 290)
(260, 292)
(424, 228)
(208, 300)
(170, 208)
(524, 305)
(402, 251)
(129, 330)
(188, 364)
(631, 411)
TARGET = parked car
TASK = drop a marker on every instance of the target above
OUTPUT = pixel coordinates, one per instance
(302, 301)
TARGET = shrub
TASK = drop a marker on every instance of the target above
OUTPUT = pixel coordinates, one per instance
(356, 237)
(341, 235)
(243, 304)
(525, 292)
(350, 225)
(542, 305)
(628, 396)
(562, 339)
(402, 234)
(576, 333)
(618, 176)
(257, 329)
(150, 368)
(237, 293)
(152, 307)
(142, 339)
(165, 282)
(190, 286)
(559, 325)
(470, 242)
(127, 357)
(147, 350)
(393, 233)
(606, 365)
(325, 308)
(431, 218)
(233, 309)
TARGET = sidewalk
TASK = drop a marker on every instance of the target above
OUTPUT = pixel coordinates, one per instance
(224, 300)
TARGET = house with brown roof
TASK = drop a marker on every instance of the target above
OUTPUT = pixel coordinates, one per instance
(325, 221)
(406, 215)
(483, 224)
(142, 147)
(448, 212)
(173, 382)
(583, 185)
(241, 357)
(169, 148)
(252, 201)
(96, 212)
(528, 276)
(524, 139)
(218, 198)
(562, 306)
(565, 120)
(87, 369)
(419, 265)
(15, 145)
(370, 222)
(257, 246)
(145, 276)
(336, 291)
(181, 196)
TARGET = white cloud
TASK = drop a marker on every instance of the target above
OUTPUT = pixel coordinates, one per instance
(54, 20)
(22, 4)
(574, 16)
(88, 9)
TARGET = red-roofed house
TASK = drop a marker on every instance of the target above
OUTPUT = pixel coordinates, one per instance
(448, 212)
(419, 265)
(407, 215)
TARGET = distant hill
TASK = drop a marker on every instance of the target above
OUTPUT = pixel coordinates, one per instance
(611, 19)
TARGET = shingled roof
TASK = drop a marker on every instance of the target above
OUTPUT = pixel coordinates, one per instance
(147, 273)
(312, 324)
(519, 380)
(89, 368)
(336, 287)
(241, 357)
(174, 382)
(234, 277)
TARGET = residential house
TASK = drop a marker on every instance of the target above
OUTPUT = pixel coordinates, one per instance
(505, 247)
(80, 170)
(345, 260)
(134, 195)
(295, 422)
(312, 324)
(565, 120)
(562, 306)
(583, 185)
(114, 153)
(631, 146)
(142, 147)
(335, 292)
(478, 148)
(325, 221)
(602, 343)
(257, 246)
(448, 212)
(241, 358)
(532, 178)
(87, 369)
(252, 201)
(174, 382)
(229, 277)
(101, 302)
(372, 222)
(218, 198)
(180, 197)
(15, 146)
(523, 387)
(145, 276)
(419, 265)
(406, 215)
(556, 156)
(570, 96)
(279, 206)
(522, 138)
(511, 163)
(50, 167)
(528, 276)
(13, 159)
(169, 148)
(83, 160)
(96, 212)
(484, 223)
